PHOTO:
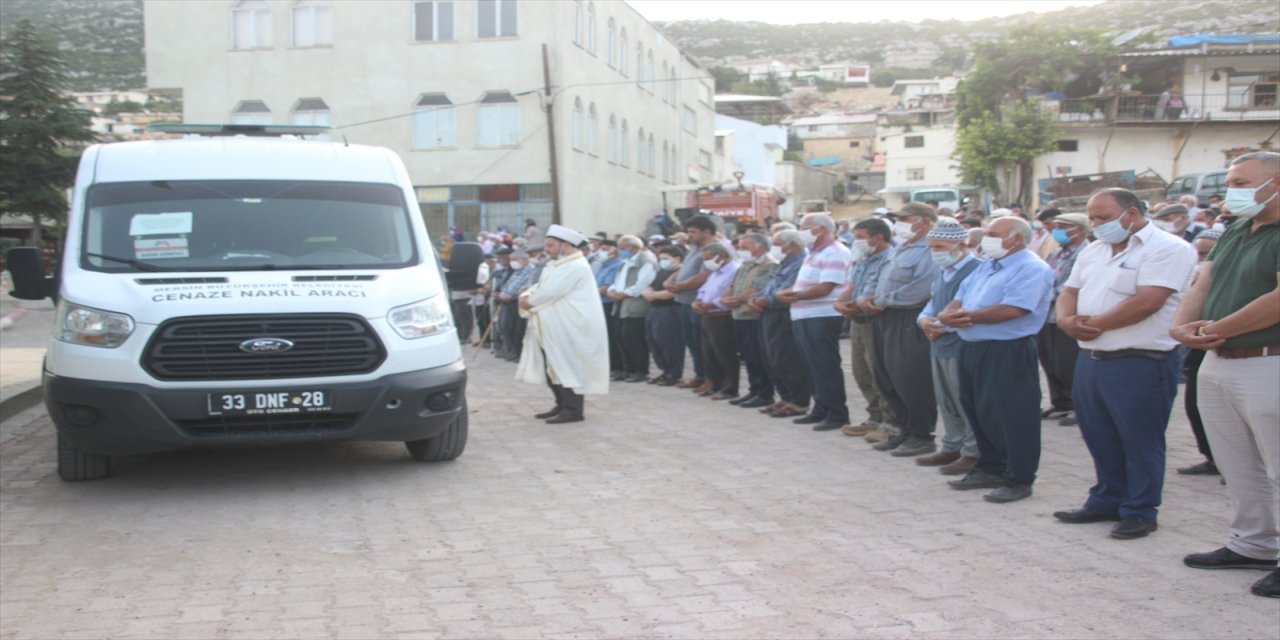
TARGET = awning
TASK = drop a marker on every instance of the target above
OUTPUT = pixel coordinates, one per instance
(824, 162)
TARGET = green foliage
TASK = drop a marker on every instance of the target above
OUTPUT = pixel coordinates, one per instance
(116, 108)
(726, 78)
(41, 131)
(991, 147)
(770, 86)
(827, 86)
(100, 40)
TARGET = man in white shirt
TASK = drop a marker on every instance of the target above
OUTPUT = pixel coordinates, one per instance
(629, 307)
(1119, 303)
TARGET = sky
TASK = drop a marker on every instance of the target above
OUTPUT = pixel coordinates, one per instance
(808, 11)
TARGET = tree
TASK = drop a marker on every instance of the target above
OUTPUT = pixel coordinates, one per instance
(114, 108)
(41, 131)
(726, 77)
(1000, 127)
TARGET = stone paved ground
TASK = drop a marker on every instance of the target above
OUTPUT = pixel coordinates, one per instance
(663, 516)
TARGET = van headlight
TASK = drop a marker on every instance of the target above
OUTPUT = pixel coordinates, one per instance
(91, 327)
(421, 319)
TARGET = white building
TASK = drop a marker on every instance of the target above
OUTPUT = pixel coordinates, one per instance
(919, 158)
(96, 100)
(456, 88)
(757, 149)
(832, 125)
(857, 75)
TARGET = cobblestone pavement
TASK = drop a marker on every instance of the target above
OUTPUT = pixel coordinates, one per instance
(665, 515)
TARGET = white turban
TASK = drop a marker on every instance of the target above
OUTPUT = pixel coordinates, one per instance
(566, 234)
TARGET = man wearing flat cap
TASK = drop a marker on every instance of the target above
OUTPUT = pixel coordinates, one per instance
(566, 345)
(1056, 349)
(1176, 219)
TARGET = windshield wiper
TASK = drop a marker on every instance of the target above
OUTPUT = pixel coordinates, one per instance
(137, 264)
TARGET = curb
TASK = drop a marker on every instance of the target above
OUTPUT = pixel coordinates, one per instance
(20, 402)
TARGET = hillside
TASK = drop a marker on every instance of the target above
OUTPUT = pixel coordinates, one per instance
(101, 39)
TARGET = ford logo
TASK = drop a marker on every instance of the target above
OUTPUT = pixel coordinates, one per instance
(265, 345)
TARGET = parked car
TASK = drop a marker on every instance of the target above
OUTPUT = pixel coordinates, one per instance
(1201, 185)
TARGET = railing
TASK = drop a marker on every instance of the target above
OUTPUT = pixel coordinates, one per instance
(1154, 108)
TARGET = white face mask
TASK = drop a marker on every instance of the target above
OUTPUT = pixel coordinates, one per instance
(861, 248)
(1219, 227)
(665, 264)
(744, 256)
(776, 253)
(809, 238)
(994, 247)
(712, 265)
(1165, 225)
(903, 230)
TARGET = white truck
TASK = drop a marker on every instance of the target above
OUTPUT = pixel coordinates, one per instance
(233, 289)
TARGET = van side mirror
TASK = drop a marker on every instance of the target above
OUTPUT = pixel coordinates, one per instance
(26, 267)
(464, 266)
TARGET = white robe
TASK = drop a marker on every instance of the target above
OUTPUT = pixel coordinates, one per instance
(566, 322)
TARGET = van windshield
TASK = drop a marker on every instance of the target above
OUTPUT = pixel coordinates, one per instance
(934, 196)
(246, 225)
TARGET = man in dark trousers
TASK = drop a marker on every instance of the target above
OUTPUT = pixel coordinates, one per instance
(1058, 350)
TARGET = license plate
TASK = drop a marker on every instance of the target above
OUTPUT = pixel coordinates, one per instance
(269, 402)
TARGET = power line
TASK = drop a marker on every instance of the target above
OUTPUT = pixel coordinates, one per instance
(504, 155)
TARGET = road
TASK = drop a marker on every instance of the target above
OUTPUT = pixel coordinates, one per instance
(664, 515)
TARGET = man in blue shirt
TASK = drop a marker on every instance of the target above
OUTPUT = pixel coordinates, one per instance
(786, 369)
(997, 312)
(610, 263)
(872, 245)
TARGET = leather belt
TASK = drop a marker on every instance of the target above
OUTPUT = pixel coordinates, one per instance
(1248, 352)
(1127, 353)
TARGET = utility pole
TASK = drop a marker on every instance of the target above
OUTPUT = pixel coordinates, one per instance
(551, 139)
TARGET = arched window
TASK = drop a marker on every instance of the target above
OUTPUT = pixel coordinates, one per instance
(577, 22)
(591, 27)
(622, 51)
(666, 163)
(251, 25)
(312, 23)
(612, 36)
(639, 64)
(642, 159)
(624, 153)
(577, 124)
(649, 71)
(592, 130)
(251, 112)
(433, 122)
(611, 153)
(653, 162)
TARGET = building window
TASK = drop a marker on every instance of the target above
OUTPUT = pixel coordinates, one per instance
(704, 94)
(611, 152)
(312, 23)
(251, 112)
(433, 20)
(642, 152)
(704, 160)
(591, 27)
(913, 142)
(498, 120)
(433, 122)
(1068, 145)
(653, 162)
(915, 174)
(624, 154)
(639, 64)
(648, 73)
(854, 144)
(577, 124)
(578, 19)
(496, 19)
(1253, 91)
(689, 120)
(622, 51)
(310, 112)
(251, 25)
(666, 162)
(592, 130)
(612, 42)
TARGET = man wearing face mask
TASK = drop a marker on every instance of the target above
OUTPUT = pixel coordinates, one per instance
(1119, 303)
(510, 324)
(662, 323)
(902, 362)
(785, 366)
(1058, 351)
(756, 267)
(610, 263)
(719, 348)
(997, 312)
(871, 247)
(947, 246)
(1176, 219)
(1231, 314)
(1042, 241)
(637, 273)
(816, 322)
(700, 231)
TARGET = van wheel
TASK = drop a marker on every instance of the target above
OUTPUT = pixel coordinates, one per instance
(75, 464)
(446, 446)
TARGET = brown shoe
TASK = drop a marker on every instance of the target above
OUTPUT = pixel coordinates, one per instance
(723, 395)
(938, 459)
(959, 467)
(548, 414)
(691, 384)
(562, 418)
(773, 407)
(859, 430)
(704, 389)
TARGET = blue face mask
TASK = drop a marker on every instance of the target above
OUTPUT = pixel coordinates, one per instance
(1060, 236)
(1242, 201)
(944, 259)
(625, 253)
(1111, 232)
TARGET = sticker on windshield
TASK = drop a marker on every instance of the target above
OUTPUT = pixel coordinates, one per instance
(160, 224)
(152, 248)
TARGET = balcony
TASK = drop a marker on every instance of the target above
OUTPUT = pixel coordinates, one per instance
(1151, 109)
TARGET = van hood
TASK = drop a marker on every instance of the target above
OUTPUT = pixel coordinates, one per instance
(152, 298)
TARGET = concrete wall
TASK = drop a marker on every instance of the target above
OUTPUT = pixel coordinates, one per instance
(852, 158)
(375, 71)
(799, 182)
(756, 148)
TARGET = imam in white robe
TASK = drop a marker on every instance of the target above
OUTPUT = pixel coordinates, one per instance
(566, 322)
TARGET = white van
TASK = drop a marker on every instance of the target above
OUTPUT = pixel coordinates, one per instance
(235, 290)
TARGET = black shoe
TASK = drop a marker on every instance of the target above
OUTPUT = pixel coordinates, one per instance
(827, 425)
(977, 479)
(809, 419)
(1206, 468)
(617, 375)
(555, 411)
(1082, 516)
(737, 401)
(914, 446)
(636, 377)
(755, 403)
(1068, 421)
(564, 418)
(1008, 493)
(892, 443)
(1131, 528)
(668, 382)
(655, 379)
(1268, 586)
(1054, 412)
(1225, 558)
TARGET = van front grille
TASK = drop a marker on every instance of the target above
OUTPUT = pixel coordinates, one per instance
(284, 424)
(209, 347)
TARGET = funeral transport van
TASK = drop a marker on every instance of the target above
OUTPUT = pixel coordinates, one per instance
(230, 289)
